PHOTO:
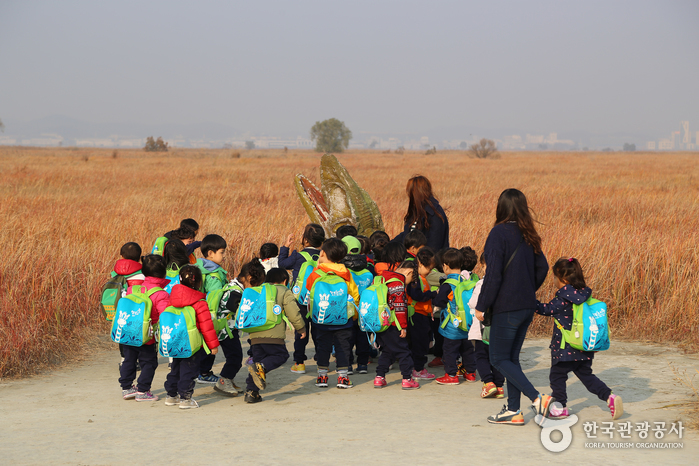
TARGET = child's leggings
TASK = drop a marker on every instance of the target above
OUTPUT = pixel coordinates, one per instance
(583, 370)
(269, 355)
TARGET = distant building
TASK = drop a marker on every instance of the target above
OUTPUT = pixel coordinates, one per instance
(650, 145)
(685, 134)
(666, 144)
(534, 139)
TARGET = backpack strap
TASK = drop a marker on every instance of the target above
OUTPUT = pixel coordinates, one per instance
(306, 255)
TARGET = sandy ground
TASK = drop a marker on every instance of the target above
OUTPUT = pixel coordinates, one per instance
(76, 415)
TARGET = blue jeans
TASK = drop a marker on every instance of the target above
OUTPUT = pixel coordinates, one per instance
(507, 334)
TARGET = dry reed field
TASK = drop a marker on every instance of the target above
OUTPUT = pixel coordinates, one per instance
(631, 219)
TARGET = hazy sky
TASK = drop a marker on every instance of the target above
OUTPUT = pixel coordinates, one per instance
(381, 66)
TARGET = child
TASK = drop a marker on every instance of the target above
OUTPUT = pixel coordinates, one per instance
(356, 263)
(179, 384)
(366, 252)
(470, 261)
(146, 355)
(413, 242)
(251, 274)
(313, 237)
(434, 279)
(493, 380)
(269, 253)
(332, 252)
(346, 230)
(570, 282)
(129, 267)
(268, 347)
(213, 248)
(392, 341)
(379, 239)
(455, 340)
(194, 226)
(186, 233)
(420, 298)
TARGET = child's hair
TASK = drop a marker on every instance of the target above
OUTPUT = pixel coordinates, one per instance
(453, 258)
(175, 254)
(570, 271)
(153, 266)
(438, 264)
(269, 250)
(415, 238)
(379, 240)
(425, 256)
(314, 235)
(346, 230)
(131, 251)
(366, 244)
(470, 258)
(190, 276)
(335, 249)
(393, 254)
(183, 233)
(412, 265)
(481, 260)
(255, 272)
(191, 223)
(212, 243)
(277, 276)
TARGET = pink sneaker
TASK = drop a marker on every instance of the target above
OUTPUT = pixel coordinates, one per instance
(410, 384)
(615, 406)
(423, 374)
(379, 382)
(556, 413)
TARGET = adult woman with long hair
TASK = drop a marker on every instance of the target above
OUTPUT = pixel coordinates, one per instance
(516, 268)
(425, 214)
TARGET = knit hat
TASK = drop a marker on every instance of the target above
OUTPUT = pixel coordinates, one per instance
(353, 245)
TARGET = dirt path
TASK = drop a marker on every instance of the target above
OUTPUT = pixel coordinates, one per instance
(77, 416)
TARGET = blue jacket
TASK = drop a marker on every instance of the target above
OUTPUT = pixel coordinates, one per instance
(294, 261)
(516, 289)
(442, 300)
(561, 308)
(438, 233)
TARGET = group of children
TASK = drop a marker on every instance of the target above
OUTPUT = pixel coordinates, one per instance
(320, 290)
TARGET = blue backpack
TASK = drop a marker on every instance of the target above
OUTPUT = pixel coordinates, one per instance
(174, 277)
(363, 279)
(258, 310)
(329, 301)
(299, 286)
(589, 330)
(178, 335)
(132, 325)
(375, 315)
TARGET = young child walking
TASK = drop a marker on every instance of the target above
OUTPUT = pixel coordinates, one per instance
(146, 356)
(569, 280)
(311, 240)
(492, 379)
(455, 339)
(339, 335)
(128, 266)
(420, 298)
(213, 248)
(180, 382)
(268, 348)
(392, 341)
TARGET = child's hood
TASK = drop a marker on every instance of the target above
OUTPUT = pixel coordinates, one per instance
(339, 269)
(209, 266)
(572, 294)
(153, 282)
(182, 296)
(388, 274)
(126, 267)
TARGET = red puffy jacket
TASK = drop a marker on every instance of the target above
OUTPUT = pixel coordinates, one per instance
(182, 296)
(127, 267)
(160, 299)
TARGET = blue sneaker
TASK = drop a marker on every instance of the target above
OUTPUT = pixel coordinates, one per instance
(361, 369)
(208, 378)
(350, 371)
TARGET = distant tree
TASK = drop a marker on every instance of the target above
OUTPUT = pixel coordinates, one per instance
(463, 145)
(155, 145)
(400, 150)
(629, 147)
(373, 144)
(543, 146)
(331, 136)
(2, 126)
(431, 151)
(249, 145)
(484, 149)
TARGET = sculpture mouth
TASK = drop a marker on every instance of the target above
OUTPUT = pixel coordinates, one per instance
(339, 201)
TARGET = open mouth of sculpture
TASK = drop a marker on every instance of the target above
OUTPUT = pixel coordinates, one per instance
(313, 197)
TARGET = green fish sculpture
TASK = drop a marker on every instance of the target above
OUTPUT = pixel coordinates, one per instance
(340, 201)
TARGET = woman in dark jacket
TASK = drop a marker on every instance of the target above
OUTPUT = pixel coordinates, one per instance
(425, 214)
(516, 268)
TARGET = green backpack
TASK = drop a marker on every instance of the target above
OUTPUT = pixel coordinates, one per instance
(217, 301)
(159, 246)
(299, 287)
(460, 317)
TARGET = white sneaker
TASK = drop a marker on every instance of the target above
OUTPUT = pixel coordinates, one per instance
(189, 403)
(172, 400)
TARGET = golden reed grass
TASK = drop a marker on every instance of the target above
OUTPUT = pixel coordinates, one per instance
(631, 219)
